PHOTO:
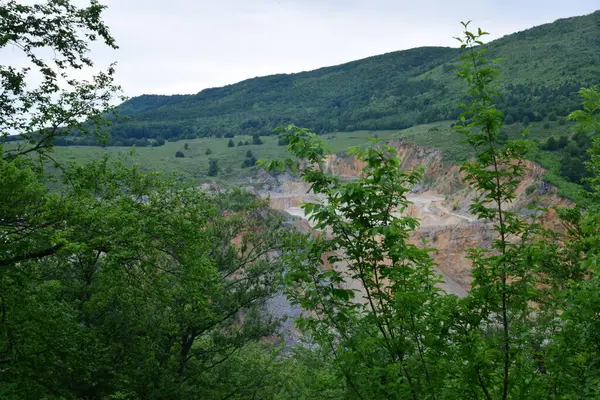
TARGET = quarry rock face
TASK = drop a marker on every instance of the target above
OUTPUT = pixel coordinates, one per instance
(441, 202)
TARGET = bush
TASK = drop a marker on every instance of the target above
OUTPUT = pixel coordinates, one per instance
(256, 140)
(551, 144)
(240, 143)
(208, 152)
(230, 143)
(249, 162)
(249, 154)
(186, 146)
(158, 142)
(213, 167)
(179, 154)
(563, 141)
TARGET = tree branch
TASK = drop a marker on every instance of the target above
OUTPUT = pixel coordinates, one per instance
(32, 256)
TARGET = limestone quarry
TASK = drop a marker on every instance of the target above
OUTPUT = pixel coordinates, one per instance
(441, 203)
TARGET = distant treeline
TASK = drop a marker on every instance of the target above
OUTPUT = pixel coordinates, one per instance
(520, 104)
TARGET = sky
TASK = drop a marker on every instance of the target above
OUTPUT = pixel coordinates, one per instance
(184, 46)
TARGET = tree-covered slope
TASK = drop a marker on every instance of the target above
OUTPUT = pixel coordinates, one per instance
(542, 69)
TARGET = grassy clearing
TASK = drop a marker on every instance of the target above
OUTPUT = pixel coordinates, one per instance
(454, 148)
(195, 163)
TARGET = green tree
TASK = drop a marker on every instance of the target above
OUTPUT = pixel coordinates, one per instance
(572, 271)
(249, 162)
(551, 144)
(121, 284)
(138, 283)
(256, 140)
(504, 283)
(57, 106)
(213, 167)
(563, 141)
(378, 309)
(230, 143)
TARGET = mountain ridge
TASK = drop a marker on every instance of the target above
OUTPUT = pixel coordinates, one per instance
(543, 68)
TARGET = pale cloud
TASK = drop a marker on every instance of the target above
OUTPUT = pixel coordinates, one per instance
(184, 46)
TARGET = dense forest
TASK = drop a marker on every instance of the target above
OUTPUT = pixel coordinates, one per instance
(543, 68)
(117, 283)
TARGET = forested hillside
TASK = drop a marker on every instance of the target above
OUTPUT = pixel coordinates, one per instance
(542, 68)
(126, 284)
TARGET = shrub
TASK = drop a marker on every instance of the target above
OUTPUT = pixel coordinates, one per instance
(551, 144)
(563, 141)
(179, 154)
(249, 162)
(213, 167)
(256, 140)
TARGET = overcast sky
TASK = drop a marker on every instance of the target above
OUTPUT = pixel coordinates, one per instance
(184, 46)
